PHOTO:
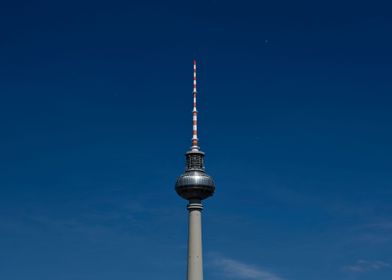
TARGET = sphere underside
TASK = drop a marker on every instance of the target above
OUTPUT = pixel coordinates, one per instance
(195, 185)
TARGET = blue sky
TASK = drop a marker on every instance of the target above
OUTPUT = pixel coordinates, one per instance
(294, 117)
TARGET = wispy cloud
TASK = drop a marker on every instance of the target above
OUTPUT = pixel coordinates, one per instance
(364, 266)
(376, 233)
(383, 225)
(239, 270)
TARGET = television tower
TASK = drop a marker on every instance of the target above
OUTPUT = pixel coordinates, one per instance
(195, 185)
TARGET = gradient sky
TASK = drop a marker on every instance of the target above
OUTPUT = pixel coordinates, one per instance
(294, 116)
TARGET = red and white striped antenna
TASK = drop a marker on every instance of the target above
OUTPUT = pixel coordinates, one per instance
(195, 139)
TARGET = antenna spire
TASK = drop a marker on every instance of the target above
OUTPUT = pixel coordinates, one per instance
(195, 139)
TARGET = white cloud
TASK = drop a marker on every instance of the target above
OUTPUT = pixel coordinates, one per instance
(363, 266)
(238, 270)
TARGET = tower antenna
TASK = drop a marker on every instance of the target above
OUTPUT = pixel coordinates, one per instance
(195, 139)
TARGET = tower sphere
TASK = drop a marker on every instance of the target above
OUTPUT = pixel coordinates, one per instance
(195, 184)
